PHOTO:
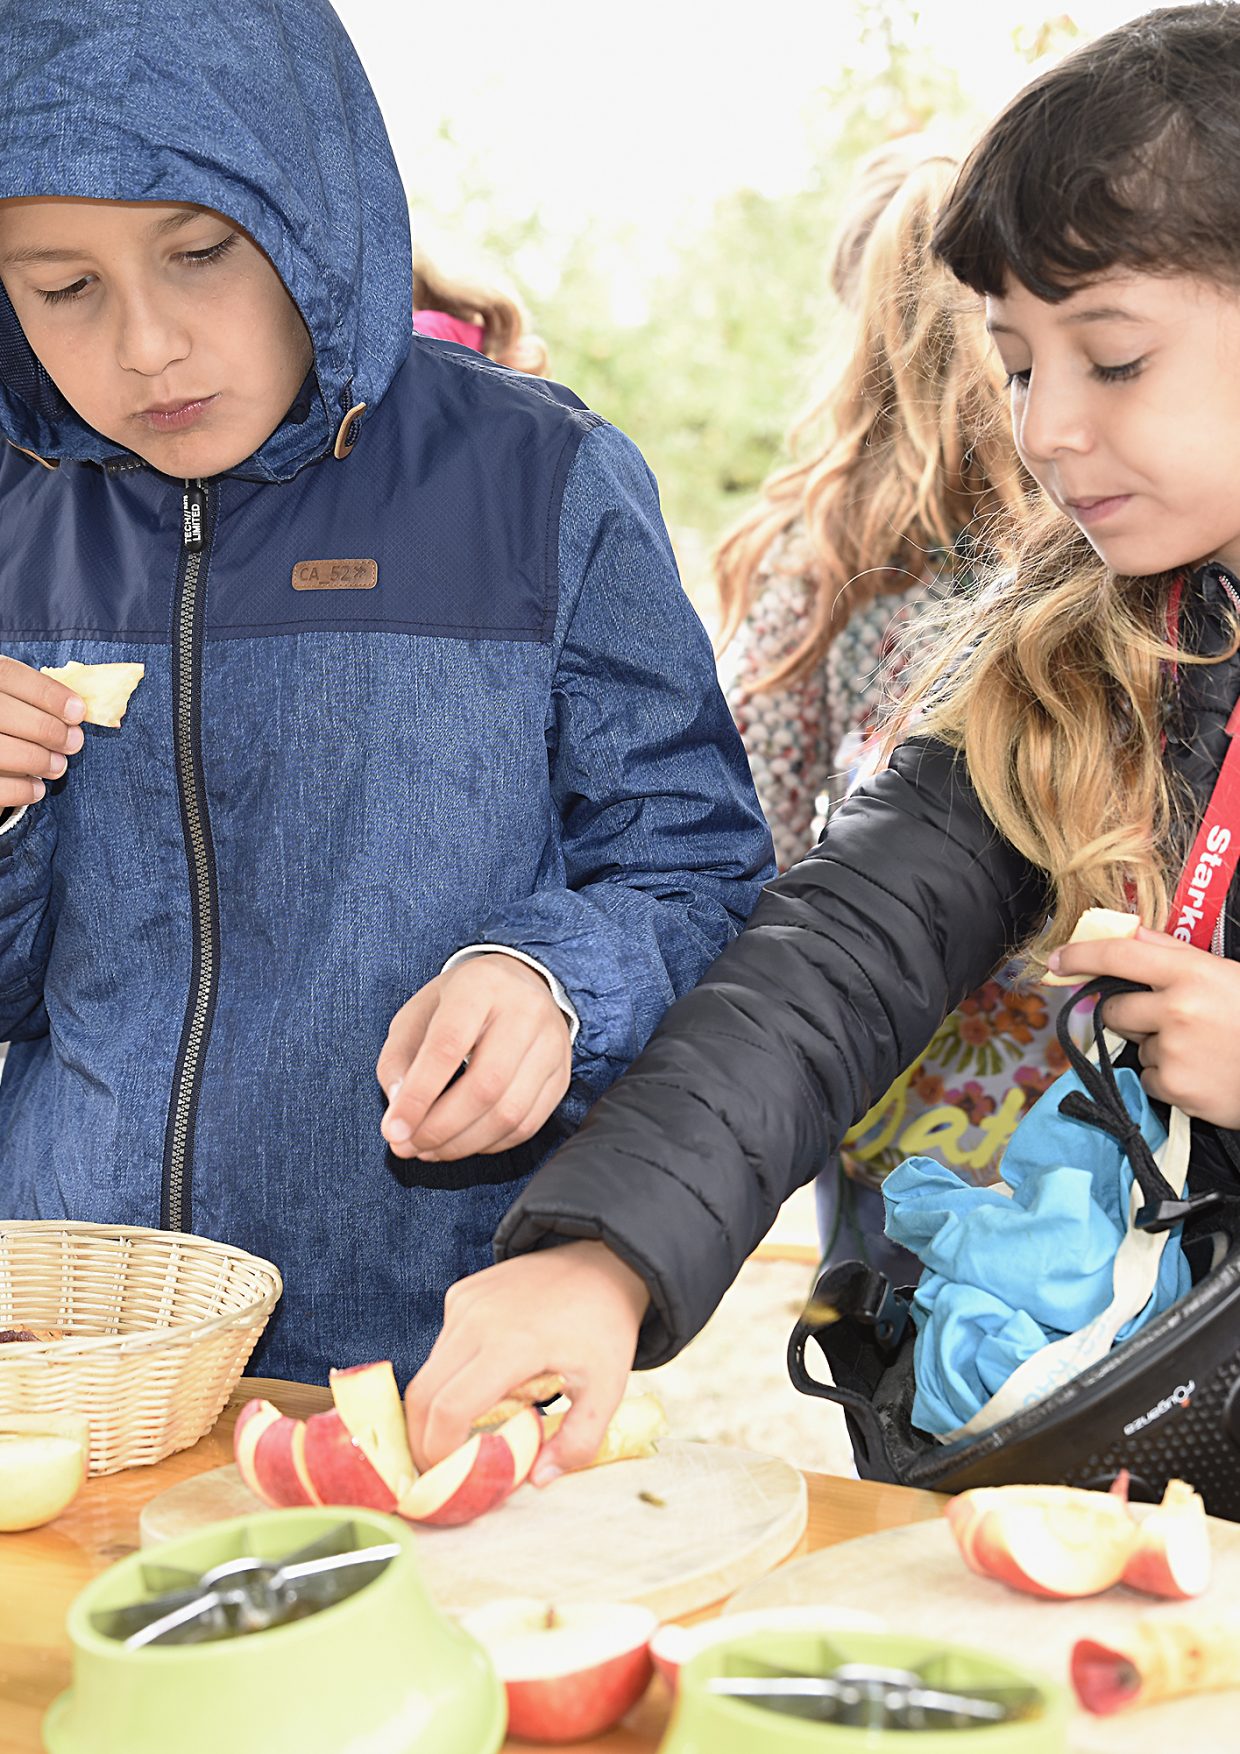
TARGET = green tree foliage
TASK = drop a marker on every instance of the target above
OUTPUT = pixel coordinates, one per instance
(739, 329)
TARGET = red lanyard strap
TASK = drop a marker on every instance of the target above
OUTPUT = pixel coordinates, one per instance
(1211, 865)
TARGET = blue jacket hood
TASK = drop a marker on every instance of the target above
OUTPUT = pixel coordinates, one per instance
(261, 111)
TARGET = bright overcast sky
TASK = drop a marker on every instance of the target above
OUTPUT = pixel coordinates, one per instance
(645, 111)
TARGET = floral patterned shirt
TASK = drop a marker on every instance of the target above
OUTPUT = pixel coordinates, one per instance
(995, 1055)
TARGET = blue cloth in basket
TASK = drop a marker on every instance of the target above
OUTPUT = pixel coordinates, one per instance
(1004, 1275)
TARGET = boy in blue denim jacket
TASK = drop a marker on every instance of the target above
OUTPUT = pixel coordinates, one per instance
(424, 710)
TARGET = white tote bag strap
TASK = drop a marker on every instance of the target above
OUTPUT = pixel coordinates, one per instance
(1134, 1277)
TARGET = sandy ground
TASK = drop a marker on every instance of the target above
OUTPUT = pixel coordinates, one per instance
(731, 1384)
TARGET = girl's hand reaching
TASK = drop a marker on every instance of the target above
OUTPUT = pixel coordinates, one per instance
(1187, 1026)
(498, 1014)
(573, 1311)
(40, 727)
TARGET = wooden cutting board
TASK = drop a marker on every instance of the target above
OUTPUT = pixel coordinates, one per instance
(725, 1517)
(915, 1579)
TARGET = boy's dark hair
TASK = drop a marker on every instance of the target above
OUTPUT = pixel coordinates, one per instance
(1124, 155)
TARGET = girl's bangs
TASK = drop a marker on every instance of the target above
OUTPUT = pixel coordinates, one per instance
(1054, 228)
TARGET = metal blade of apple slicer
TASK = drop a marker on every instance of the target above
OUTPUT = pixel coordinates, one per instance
(866, 1696)
(246, 1594)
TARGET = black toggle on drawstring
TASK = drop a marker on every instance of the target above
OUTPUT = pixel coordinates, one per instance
(1101, 1105)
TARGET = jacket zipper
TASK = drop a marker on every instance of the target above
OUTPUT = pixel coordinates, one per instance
(175, 1205)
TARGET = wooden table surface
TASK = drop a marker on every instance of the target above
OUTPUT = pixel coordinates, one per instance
(42, 1571)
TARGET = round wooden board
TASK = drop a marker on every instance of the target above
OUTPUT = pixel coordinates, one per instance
(916, 1580)
(725, 1517)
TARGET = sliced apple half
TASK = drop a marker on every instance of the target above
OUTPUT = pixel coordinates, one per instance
(468, 1482)
(43, 1461)
(367, 1399)
(569, 1672)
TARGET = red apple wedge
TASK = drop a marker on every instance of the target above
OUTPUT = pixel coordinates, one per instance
(1172, 1552)
(279, 1464)
(523, 1434)
(254, 1418)
(465, 1484)
(338, 1467)
(570, 1672)
(1057, 1541)
(367, 1399)
(964, 1514)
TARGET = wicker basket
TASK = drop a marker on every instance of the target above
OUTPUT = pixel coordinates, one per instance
(158, 1328)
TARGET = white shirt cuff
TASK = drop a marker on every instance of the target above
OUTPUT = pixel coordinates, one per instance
(557, 990)
(13, 820)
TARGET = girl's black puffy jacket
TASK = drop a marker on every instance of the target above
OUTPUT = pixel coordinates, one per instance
(847, 967)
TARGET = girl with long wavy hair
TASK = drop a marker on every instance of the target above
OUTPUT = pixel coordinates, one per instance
(906, 467)
(830, 584)
(1074, 748)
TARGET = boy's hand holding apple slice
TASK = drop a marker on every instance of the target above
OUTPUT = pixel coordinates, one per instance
(40, 728)
(573, 1310)
(357, 1453)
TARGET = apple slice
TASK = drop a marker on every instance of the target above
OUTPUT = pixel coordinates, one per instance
(367, 1399)
(469, 1481)
(254, 1418)
(523, 1434)
(1094, 924)
(635, 1429)
(570, 1673)
(338, 1467)
(279, 1463)
(1056, 1541)
(43, 1460)
(105, 688)
(1172, 1554)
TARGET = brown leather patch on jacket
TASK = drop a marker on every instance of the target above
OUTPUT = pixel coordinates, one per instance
(335, 575)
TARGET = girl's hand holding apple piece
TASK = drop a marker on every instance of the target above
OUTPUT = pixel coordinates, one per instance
(497, 1014)
(40, 727)
(573, 1311)
(1187, 1026)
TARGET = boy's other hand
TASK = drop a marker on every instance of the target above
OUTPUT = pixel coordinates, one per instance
(1187, 1026)
(574, 1310)
(40, 728)
(498, 1014)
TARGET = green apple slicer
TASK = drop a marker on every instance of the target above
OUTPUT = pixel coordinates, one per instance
(789, 1692)
(307, 1629)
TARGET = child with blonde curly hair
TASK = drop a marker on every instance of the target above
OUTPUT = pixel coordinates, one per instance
(909, 479)
(908, 462)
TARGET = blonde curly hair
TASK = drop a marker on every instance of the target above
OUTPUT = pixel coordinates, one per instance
(913, 444)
